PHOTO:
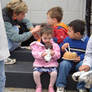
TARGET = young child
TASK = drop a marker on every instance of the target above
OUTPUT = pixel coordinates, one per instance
(54, 17)
(40, 65)
(77, 43)
(87, 66)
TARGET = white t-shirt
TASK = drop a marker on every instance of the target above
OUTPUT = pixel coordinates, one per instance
(4, 52)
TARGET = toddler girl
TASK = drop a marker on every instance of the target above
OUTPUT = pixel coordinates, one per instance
(40, 64)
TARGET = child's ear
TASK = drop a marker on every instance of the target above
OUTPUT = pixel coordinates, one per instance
(78, 33)
(55, 20)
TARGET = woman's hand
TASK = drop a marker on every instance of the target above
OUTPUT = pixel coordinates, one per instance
(35, 31)
(84, 68)
(66, 45)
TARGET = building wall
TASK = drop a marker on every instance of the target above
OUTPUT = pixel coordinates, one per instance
(73, 9)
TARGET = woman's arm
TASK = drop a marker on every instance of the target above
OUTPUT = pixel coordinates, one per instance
(13, 35)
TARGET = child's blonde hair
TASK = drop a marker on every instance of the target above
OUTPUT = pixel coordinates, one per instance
(17, 6)
(56, 12)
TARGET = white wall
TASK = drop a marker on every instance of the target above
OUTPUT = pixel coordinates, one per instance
(73, 9)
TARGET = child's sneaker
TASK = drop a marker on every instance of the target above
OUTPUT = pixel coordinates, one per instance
(10, 61)
(60, 89)
(51, 89)
(82, 90)
(38, 89)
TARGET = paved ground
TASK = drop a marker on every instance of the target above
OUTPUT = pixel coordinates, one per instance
(24, 90)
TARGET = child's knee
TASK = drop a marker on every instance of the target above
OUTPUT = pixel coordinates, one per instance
(54, 73)
(65, 64)
(36, 73)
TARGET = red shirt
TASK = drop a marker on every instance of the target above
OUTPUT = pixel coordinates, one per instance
(60, 32)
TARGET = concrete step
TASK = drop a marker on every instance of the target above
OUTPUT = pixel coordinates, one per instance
(27, 90)
(22, 54)
(20, 75)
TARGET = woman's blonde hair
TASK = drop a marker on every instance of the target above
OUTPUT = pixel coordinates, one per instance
(17, 6)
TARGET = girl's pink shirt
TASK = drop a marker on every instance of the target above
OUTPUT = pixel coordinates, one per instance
(38, 48)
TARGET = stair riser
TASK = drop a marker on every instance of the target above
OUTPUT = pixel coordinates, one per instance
(25, 80)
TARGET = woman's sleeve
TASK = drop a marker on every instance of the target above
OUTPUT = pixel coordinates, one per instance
(13, 35)
(88, 55)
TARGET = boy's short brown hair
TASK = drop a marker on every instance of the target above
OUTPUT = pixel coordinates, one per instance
(56, 12)
(78, 26)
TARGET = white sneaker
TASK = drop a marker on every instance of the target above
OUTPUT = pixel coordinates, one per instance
(10, 61)
(60, 89)
(82, 90)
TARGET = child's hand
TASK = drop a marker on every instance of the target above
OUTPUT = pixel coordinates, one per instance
(52, 52)
(77, 59)
(65, 46)
(84, 68)
(43, 54)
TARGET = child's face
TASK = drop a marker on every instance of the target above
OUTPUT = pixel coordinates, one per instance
(73, 35)
(50, 20)
(46, 38)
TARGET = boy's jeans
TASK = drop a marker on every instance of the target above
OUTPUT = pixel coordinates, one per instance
(64, 70)
(2, 76)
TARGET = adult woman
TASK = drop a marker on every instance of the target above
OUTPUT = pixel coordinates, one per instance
(18, 28)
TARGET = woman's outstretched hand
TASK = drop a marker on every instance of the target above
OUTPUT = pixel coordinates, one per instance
(35, 32)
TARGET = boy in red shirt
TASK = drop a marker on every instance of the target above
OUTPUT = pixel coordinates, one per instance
(54, 17)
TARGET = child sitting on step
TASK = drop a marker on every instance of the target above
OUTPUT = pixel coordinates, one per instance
(76, 42)
(41, 64)
(54, 18)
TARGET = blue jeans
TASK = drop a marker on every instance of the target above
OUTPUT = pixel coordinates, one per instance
(2, 76)
(64, 70)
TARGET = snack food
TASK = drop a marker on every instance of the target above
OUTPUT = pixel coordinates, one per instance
(69, 55)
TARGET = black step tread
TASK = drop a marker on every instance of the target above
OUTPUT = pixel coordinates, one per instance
(22, 54)
(19, 67)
